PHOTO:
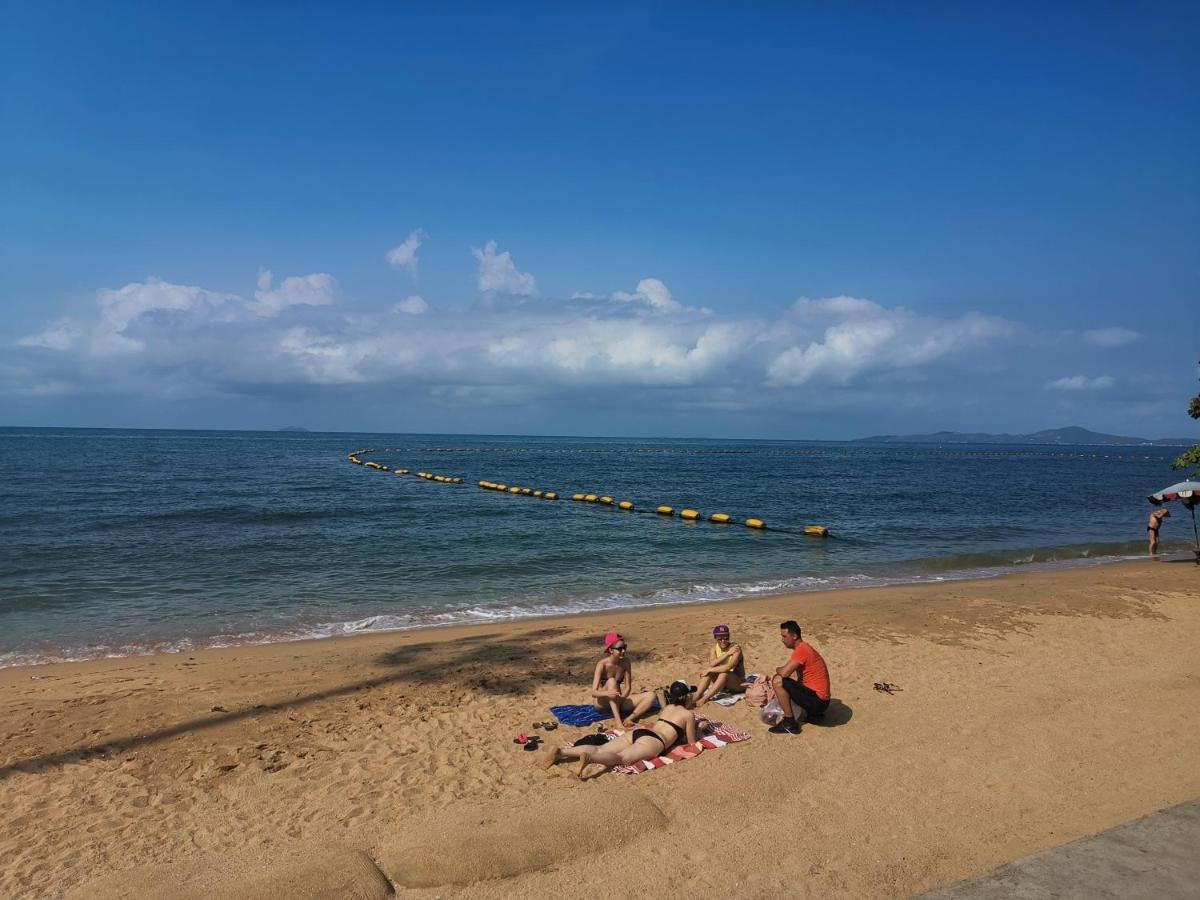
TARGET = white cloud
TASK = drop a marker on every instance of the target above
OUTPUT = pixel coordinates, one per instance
(1112, 337)
(498, 273)
(644, 346)
(651, 291)
(307, 290)
(858, 337)
(413, 306)
(1081, 383)
(61, 334)
(404, 256)
(134, 303)
(129, 319)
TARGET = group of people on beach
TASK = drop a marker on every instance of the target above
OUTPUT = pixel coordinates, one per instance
(800, 685)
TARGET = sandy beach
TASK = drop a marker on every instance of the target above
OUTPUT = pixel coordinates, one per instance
(1035, 709)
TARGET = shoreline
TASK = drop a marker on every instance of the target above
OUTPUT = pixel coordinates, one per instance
(1035, 708)
(330, 630)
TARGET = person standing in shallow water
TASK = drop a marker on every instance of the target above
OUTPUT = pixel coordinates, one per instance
(1153, 525)
(612, 683)
(801, 684)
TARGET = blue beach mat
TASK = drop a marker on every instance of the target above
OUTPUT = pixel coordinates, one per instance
(582, 714)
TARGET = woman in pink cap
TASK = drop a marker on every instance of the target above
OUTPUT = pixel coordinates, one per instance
(612, 683)
(726, 670)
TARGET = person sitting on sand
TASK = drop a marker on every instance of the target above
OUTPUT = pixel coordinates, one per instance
(727, 671)
(801, 683)
(1153, 525)
(675, 726)
(612, 683)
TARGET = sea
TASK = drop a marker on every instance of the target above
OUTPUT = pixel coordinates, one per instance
(122, 542)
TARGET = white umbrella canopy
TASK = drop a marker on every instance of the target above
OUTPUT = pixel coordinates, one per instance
(1187, 493)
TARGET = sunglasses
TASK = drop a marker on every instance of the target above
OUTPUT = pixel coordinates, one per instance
(620, 648)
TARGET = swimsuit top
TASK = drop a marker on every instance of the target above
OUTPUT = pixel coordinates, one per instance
(680, 733)
(722, 655)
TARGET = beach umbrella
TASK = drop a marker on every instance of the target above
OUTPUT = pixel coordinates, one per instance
(1187, 493)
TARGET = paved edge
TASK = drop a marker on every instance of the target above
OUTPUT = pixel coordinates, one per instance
(1157, 856)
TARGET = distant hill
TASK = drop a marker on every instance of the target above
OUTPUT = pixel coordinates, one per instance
(1071, 435)
(295, 428)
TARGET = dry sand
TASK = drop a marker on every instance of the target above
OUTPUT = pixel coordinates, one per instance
(1035, 709)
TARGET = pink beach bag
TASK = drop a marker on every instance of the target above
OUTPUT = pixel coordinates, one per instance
(759, 692)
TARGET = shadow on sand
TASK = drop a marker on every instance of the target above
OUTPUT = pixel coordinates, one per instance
(837, 715)
(493, 664)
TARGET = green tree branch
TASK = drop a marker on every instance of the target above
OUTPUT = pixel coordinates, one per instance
(1190, 457)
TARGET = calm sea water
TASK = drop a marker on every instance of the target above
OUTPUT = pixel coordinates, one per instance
(116, 542)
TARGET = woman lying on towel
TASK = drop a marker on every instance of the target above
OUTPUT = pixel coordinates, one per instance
(675, 726)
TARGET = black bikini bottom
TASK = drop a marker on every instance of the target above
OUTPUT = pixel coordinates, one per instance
(648, 732)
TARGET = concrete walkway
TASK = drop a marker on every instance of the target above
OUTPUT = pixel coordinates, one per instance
(1155, 857)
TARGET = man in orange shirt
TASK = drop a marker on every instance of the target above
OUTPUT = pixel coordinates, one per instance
(802, 682)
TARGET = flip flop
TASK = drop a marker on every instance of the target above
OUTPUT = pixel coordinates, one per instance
(521, 739)
(532, 745)
(549, 726)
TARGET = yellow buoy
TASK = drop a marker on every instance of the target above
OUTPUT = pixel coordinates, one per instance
(755, 523)
(625, 504)
(549, 495)
(514, 490)
(719, 518)
(526, 491)
(577, 496)
(591, 498)
(665, 511)
(485, 484)
(606, 500)
(537, 493)
(690, 514)
(500, 487)
(816, 530)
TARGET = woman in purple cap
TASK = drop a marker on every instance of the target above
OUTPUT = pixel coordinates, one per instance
(727, 669)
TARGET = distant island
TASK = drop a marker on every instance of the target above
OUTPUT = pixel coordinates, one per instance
(1071, 435)
(295, 428)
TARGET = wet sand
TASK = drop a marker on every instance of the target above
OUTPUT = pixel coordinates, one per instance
(1035, 709)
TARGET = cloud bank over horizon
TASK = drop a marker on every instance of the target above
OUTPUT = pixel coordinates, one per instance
(641, 349)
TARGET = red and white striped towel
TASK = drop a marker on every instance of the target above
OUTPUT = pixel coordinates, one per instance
(717, 737)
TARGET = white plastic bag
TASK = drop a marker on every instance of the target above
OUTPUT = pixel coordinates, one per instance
(772, 713)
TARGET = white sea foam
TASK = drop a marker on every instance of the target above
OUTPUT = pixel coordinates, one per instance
(480, 614)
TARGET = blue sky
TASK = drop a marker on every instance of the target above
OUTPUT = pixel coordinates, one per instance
(761, 220)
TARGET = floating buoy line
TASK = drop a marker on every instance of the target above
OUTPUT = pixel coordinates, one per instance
(686, 514)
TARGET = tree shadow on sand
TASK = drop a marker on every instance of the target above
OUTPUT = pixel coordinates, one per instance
(484, 663)
(497, 664)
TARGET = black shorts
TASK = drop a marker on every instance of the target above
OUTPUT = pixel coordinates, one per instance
(805, 698)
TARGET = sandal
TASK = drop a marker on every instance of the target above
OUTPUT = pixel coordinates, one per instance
(532, 745)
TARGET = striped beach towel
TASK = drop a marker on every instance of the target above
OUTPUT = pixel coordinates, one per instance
(719, 736)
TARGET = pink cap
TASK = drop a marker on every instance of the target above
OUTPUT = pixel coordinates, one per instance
(611, 638)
